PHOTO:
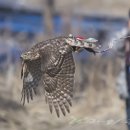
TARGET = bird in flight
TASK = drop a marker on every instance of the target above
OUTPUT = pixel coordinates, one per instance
(49, 65)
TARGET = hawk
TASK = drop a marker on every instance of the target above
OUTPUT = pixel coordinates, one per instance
(49, 65)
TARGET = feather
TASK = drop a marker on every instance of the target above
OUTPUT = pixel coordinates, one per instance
(55, 68)
(27, 94)
(62, 108)
(56, 107)
(31, 94)
(50, 103)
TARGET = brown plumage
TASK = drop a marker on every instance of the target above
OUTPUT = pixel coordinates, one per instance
(50, 63)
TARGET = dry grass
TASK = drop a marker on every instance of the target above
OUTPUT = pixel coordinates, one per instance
(95, 99)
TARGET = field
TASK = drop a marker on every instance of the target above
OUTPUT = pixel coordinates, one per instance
(96, 104)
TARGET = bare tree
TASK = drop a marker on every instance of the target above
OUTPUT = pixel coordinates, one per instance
(48, 13)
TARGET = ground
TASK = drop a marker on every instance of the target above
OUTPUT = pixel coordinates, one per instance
(96, 104)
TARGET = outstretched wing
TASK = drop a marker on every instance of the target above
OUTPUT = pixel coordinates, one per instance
(58, 78)
(55, 69)
(31, 73)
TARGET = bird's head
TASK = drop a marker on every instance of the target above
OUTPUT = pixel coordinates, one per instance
(29, 56)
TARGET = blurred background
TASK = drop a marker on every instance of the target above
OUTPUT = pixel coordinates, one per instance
(96, 102)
